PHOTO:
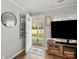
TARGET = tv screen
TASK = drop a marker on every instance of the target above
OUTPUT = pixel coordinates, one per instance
(64, 29)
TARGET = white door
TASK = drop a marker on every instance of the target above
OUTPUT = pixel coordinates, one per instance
(28, 32)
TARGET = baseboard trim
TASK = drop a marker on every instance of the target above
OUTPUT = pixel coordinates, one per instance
(17, 54)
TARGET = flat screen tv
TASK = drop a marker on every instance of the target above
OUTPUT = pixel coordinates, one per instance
(64, 29)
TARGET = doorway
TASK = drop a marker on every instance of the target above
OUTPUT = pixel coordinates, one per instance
(38, 32)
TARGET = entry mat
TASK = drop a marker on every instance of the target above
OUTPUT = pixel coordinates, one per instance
(37, 51)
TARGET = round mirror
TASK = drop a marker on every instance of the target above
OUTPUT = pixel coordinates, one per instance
(8, 19)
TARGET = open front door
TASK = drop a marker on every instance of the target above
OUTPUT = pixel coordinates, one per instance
(28, 32)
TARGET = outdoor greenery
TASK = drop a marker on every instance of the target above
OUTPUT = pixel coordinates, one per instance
(34, 34)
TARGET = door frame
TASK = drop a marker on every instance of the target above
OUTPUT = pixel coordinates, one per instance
(43, 33)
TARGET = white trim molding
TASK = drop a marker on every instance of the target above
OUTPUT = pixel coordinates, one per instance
(16, 54)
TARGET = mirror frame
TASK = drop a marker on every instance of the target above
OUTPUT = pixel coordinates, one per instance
(10, 13)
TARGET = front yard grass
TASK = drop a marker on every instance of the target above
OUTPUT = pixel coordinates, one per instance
(34, 34)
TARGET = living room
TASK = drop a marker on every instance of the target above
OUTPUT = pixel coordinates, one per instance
(36, 29)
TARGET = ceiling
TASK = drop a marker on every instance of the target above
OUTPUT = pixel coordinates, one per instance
(48, 7)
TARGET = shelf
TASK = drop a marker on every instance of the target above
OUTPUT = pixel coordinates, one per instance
(70, 45)
(63, 50)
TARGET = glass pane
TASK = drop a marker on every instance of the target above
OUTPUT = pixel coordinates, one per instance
(34, 30)
(34, 34)
(38, 32)
(41, 31)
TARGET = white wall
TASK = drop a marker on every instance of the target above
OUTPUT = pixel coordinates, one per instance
(47, 30)
(70, 16)
(10, 42)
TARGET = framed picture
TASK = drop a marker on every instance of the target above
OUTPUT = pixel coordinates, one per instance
(22, 26)
(48, 20)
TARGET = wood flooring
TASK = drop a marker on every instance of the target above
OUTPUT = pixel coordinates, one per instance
(34, 56)
(30, 55)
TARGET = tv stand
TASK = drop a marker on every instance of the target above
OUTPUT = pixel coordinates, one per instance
(63, 50)
(74, 44)
(67, 41)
